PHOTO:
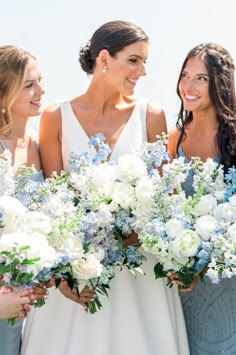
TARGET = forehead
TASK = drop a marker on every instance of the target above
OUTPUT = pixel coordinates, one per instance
(31, 69)
(195, 65)
(138, 48)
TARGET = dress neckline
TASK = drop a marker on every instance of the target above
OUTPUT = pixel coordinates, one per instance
(182, 153)
(120, 135)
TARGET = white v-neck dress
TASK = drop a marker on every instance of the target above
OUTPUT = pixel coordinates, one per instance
(142, 316)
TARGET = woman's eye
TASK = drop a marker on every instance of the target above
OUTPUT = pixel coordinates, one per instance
(202, 78)
(133, 60)
(29, 85)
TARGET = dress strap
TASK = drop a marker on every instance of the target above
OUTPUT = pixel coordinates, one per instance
(2, 145)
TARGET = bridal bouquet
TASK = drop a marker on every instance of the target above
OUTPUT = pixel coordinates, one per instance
(183, 231)
(110, 196)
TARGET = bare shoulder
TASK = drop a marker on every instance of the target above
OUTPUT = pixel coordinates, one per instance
(51, 116)
(156, 121)
(173, 138)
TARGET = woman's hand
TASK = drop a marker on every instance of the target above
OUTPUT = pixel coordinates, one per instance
(174, 278)
(14, 303)
(86, 294)
(131, 239)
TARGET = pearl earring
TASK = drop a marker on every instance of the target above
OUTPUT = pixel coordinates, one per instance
(104, 70)
(3, 110)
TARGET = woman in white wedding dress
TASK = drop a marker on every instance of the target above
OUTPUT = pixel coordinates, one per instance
(142, 315)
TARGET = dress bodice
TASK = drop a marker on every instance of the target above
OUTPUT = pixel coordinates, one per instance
(188, 183)
(74, 137)
(38, 177)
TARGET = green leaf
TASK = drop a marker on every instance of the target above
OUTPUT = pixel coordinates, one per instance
(159, 272)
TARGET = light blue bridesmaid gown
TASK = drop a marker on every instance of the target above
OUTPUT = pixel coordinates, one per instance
(10, 337)
(210, 310)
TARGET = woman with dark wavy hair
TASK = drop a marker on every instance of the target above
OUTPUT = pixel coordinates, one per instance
(141, 316)
(206, 127)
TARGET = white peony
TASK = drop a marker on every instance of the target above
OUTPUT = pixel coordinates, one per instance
(205, 226)
(130, 168)
(187, 243)
(206, 205)
(124, 195)
(86, 268)
(174, 227)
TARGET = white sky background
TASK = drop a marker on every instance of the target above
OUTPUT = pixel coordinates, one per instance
(55, 30)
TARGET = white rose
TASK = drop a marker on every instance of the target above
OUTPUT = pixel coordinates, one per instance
(206, 205)
(124, 195)
(130, 168)
(86, 268)
(187, 243)
(11, 207)
(174, 227)
(205, 226)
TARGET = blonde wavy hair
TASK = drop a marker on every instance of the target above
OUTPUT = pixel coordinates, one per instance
(13, 62)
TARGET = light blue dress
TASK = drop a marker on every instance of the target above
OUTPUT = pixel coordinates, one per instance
(210, 310)
(10, 337)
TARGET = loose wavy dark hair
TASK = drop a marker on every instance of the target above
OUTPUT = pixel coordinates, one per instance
(113, 36)
(220, 68)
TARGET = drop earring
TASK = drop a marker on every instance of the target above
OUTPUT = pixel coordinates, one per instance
(104, 70)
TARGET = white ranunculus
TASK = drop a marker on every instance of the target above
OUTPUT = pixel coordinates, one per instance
(130, 168)
(11, 207)
(124, 195)
(206, 205)
(205, 226)
(174, 227)
(86, 268)
(187, 243)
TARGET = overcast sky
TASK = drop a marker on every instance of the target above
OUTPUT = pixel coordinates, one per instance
(54, 31)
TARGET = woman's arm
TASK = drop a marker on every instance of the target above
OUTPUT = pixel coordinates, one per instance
(156, 122)
(50, 140)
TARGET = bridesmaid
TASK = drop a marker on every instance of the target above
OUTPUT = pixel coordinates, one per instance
(20, 98)
(206, 127)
